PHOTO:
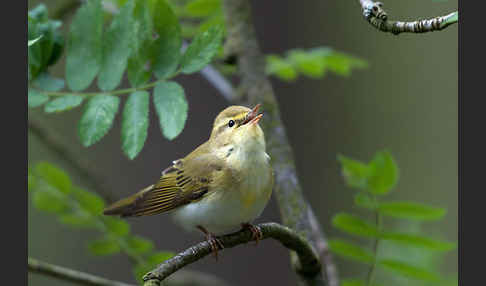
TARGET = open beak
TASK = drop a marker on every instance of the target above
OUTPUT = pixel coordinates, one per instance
(253, 117)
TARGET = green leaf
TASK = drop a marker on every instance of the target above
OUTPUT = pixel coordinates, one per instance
(97, 118)
(31, 42)
(364, 200)
(354, 172)
(418, 241)
(384, 173)
(202, 50)
(408, 270)
(351, 251)
(411, 210)
(135, 123)
(47, 82)
(280, 68)
(138, 69)
(78, 220)
(308, 63)
(84, 46)
(202, 8)
(116, 48)
(116, 226)
(342, 64)
(54, 176)
(89, 202)
(36, 98)
(139, 244)
(353, 282)
(171, 106)
(354, 225)
(104, 246)
(47, 200)
(168, 44)
(142, 268)
(63, 103)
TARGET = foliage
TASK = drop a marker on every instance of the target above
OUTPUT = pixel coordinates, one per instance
(52, 191)
(143, 40)
(374, 180)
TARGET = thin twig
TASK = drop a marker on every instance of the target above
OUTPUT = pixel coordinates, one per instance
(378, 18)
(63, 273)
(309, 263)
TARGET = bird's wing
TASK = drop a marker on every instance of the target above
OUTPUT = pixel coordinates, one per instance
(186, 180)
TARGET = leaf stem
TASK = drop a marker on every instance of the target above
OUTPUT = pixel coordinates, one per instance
(371, 272)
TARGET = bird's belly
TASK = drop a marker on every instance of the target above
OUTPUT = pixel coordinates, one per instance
(225, 210)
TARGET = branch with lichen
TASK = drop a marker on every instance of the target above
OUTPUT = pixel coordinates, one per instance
(308, 261)
(374, 13)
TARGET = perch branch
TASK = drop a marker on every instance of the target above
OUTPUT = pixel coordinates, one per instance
(378, 18)
(309, 264)
(36, 266)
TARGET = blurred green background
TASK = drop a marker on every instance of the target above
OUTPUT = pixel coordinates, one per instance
(406, 102)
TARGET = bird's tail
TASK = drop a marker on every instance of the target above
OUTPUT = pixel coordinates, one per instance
(125, 207)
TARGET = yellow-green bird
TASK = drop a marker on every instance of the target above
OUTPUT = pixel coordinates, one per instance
(222, 185)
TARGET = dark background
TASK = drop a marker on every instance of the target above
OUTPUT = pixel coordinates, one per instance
(406, 102)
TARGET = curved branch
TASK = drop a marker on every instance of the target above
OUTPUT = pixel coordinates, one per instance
(71, 275)
(309, 264)
(378, 18)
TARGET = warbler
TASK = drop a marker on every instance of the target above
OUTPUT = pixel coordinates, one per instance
(222, 185)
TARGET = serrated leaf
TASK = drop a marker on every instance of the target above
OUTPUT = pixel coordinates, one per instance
(97, 118)
(88, 201)
(46, 200)
(408, 270)
(280, 68)
(354, 225)
(84, 45)
(139, 244)
(63, 103)
(116, 226)
(116, 48)
(142, 268)
(54, 176)
(168, 44)
(384, 172)
(418, 241)
(202, 50)
(135, 123)
(352, 282)
(171, 106)
(77, 220)
(354, 172)
(31, 42)
(36, 98)
(104, 246)
(351, 251)
(46, 82)
(411, 210)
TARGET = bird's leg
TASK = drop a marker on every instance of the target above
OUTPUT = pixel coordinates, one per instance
(213, 241)
(255, 231)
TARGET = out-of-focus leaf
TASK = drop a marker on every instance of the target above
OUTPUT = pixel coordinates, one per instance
(116, 226)
(384, 172)
(84, 45)
(97, 118)
(353, 282)
(282, 69)
(77, 220)
(54, 176)
(47, 82)
(48, 201)
(135, 123)
(171, 106)
(354, 225)
(351, 251)
(201, 50)
(142, 268)
(63, 103)
(418, 241)
(202, 8)
(36, 98)
(354, 172)
(89, 202)
(104, 246)
(364, 200)
(411, 210)
(116, 48)
(408, 270)
(139, 244)
(31, 42)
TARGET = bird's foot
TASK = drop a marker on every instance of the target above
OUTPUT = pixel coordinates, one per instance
(257, 234)
(215, 243)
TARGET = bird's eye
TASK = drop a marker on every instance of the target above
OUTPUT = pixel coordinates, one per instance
(231, 123)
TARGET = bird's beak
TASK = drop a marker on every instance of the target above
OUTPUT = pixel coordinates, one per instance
(253, 117)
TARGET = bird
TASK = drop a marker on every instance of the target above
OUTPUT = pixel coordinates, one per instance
(221, 186)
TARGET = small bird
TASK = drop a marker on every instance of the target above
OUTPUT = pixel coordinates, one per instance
(222, 185)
